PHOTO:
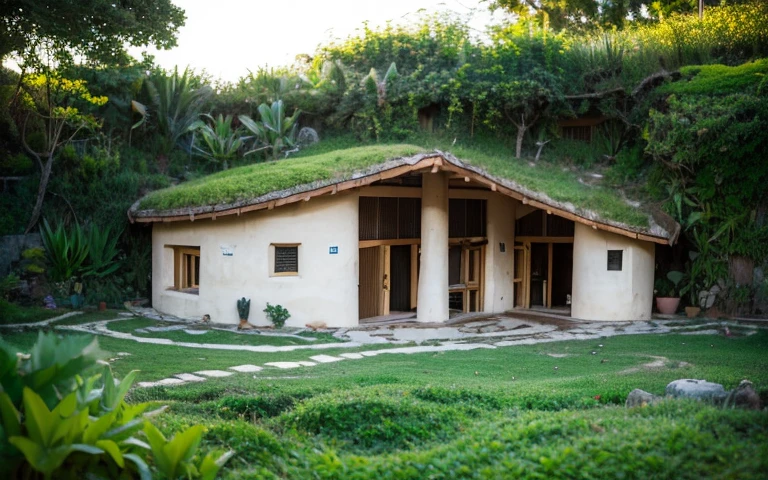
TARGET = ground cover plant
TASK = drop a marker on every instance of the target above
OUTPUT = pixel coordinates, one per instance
(534, 411)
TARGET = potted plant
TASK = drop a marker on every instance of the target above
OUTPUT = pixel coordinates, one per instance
(668, 292)
(244, 310)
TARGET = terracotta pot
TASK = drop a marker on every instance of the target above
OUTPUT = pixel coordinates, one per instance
(667, 305)
(102, 306)
(692, 312)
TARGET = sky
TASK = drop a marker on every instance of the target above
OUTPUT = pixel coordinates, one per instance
(228, 37)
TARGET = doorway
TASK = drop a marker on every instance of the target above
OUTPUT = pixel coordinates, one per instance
(400, 278)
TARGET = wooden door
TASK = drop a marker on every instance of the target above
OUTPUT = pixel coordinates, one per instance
(370, 288)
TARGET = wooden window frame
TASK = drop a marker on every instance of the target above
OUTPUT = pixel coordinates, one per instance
(180, 269)
(273, 256)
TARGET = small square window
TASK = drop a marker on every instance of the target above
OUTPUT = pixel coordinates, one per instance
(186, 269)
(615, 259)
(285, 259)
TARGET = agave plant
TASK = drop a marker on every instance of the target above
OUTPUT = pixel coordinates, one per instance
(178, 105)
(220, 142)
(102, 252)
(275, 132)
(66, 250)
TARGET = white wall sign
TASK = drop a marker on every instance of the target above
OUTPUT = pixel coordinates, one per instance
(227, 250)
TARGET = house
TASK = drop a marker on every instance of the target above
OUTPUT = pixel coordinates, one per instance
(361, 233)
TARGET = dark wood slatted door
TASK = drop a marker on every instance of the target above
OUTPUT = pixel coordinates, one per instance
(370, 287)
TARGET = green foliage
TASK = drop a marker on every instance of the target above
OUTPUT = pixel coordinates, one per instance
(99, 30)
(177, 103)
(717, 80)
(244, 308)
(19, 164)
(274, 132)
(66, 250)
(175, 458)
(102, 259)
(50, 368)
(277, 314)
(220, 141)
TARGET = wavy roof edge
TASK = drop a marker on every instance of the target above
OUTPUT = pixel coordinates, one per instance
(661, 227)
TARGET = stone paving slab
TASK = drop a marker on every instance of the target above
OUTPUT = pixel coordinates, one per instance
(352, 356)
(214, 373)
(196, 332)
(166, 382)
(283, 365)
(246, 368)
(188, 377)
(326, 359)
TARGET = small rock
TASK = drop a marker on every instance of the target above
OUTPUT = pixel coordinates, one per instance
(307, 136)
(698, 389)
(641, 398)
(743, 396)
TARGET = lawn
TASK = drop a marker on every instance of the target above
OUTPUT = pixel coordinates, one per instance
(488, 413)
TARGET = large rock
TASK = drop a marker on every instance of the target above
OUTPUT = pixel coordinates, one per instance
(641, 398)
(698, 389)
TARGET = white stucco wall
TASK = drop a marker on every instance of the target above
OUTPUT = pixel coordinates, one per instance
(326, 288)
(600, 294)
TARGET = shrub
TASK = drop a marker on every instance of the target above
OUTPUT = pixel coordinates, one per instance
(277, 314)
(373, 419)
(58, 424)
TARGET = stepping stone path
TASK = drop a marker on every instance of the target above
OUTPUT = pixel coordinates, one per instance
(485, 333)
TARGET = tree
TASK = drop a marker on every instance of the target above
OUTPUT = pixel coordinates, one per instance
(97, 29)
(587, 14)
(48, 100)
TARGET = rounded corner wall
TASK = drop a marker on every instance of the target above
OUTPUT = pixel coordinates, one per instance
(612, 276)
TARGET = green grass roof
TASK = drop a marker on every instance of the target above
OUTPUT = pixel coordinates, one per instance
(252, 181)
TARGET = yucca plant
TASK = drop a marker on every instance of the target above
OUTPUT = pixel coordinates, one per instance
(66, 250)
(220, 142)
(275, 132)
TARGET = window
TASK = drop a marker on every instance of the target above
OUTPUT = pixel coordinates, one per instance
(186, 269)
(284, 259)
(615, 259)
